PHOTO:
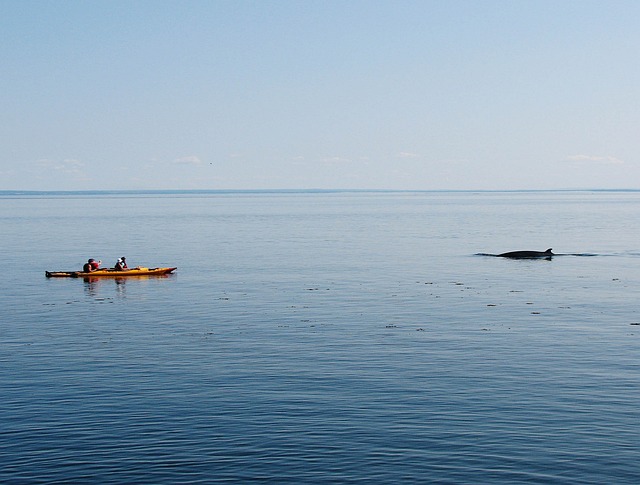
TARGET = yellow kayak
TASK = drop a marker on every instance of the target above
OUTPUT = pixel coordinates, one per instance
(112, 273)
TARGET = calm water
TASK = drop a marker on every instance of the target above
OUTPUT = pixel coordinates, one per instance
(331, 337)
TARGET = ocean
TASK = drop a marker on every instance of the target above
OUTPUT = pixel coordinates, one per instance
(321, 337)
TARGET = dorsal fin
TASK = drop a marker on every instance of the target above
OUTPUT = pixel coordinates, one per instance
(548, 251)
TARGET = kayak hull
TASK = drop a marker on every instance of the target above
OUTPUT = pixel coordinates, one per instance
(110, 273)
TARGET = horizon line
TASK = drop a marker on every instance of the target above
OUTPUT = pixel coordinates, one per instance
(297, 190)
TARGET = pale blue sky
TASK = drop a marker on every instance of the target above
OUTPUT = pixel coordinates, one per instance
(319, 94)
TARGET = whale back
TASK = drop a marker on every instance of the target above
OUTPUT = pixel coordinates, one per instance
(527, 254)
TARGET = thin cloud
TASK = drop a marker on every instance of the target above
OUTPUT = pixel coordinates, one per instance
(608, 160)
(68, 165)
(189, 160)
(336, 160)
(407, 155)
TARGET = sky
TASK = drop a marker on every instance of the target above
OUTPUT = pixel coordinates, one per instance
(319, 94)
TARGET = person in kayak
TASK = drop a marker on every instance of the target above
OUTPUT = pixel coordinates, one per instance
(121, 265)
(91, 266)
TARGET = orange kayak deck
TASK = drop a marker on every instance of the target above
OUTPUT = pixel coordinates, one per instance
(110, 273)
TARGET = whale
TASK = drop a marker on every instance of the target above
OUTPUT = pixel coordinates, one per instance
(528, 254)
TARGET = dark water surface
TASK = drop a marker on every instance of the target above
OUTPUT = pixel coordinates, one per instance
(332, 337)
